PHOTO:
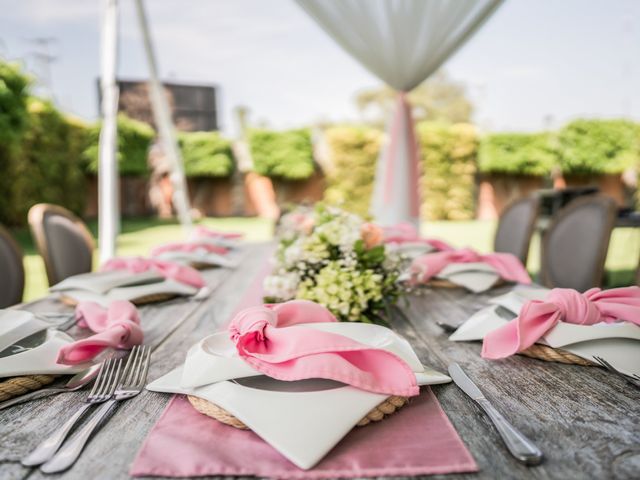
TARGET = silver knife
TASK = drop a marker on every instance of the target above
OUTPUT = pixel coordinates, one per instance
(520, 446)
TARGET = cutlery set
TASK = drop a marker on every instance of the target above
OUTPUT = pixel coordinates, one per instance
(115, 382)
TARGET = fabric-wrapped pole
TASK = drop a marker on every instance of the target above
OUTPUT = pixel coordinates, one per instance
(401, 42)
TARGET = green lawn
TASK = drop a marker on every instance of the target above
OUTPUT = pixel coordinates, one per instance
(139, 235)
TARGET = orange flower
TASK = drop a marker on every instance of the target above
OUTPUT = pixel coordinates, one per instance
(372, 234)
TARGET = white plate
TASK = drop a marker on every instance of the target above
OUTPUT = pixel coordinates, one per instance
(303, 420)
(476, 277)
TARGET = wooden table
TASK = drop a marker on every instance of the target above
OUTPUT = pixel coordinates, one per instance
(586, 421)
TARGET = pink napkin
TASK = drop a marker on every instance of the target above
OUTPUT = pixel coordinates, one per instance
(417, 440)
(175, 271)
(201, 231)
(537, 317)
(265, 340)
(117, 326)
(407, 233)
(508, 266)
(188, 247)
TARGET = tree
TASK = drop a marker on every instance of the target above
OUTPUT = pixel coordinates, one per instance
(438, 98)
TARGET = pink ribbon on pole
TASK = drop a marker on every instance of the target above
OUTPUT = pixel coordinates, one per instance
(175, 271)
(268, 339)
(537, 317)
(404, 115)
(508, 266)
(117, 326)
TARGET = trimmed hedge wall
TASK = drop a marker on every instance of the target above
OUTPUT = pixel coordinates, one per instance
(287, 155)
(134, 140)
(448, 170)
(354, 151)
(599, 146)
(206, 154)
(532, 154)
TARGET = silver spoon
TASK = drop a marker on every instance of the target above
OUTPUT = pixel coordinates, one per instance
(76, 382)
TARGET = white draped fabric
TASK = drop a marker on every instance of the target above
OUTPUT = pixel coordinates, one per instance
(401, 42)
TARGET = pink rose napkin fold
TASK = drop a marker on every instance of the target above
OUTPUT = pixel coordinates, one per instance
(117, 326)
(189, 247)
(537, 317)
(170, 270)
(417, 440)
(267, 339)
(407, 233)
(508, 266)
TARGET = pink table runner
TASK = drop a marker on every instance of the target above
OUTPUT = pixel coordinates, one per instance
(418, 440)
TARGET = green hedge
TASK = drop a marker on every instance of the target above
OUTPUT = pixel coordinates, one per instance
(287, 155)
(448, 170)
(134, 140)
(206, 154)
(48, 166)
(518, 154)
(591, 147)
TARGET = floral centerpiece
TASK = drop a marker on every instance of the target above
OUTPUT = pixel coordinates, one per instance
(338, 260)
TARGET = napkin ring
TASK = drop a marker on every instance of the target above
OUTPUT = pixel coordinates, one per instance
(549, 354)
(384, 409)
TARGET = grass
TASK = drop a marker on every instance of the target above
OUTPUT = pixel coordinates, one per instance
(140, 235)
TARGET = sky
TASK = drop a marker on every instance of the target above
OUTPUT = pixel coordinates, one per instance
(535, 64)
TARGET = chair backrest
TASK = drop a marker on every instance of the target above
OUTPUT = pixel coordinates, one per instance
(12, 270)
(574, 249)
(516, 226)
(63, 240)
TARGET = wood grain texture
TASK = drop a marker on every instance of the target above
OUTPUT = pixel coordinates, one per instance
(586, 421)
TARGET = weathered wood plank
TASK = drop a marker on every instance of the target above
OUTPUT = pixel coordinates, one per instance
(586, 421)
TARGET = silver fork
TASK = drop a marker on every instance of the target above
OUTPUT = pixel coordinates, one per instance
(632, 379)
(102, 390)
(131, 384)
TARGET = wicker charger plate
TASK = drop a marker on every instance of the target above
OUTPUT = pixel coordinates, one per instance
(16, 386)
(549, 354)
(386, 408)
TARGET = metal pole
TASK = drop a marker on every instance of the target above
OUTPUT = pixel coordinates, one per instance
(162, 116)
(108, 204)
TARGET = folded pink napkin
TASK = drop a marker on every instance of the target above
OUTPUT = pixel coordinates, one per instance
(418, 440)
(407, 233)
(264, 342)
(537, 317)
(201, 231)
(175, 271)
(117, 326)
(189, 247)
(508, 266)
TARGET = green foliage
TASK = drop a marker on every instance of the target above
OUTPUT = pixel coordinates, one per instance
(287, 155)
(354, 152)
(518, 154)
(134, 140)
(14, 119)
(206, 154)
(47, 166)
(13, 103)
(599, 146)
(448, 170)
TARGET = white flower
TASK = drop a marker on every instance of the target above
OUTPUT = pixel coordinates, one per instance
(282, 286)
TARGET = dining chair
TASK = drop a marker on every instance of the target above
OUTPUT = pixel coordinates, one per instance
(12, 268)
(574, 248)
(63, 240)
(516, 226)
